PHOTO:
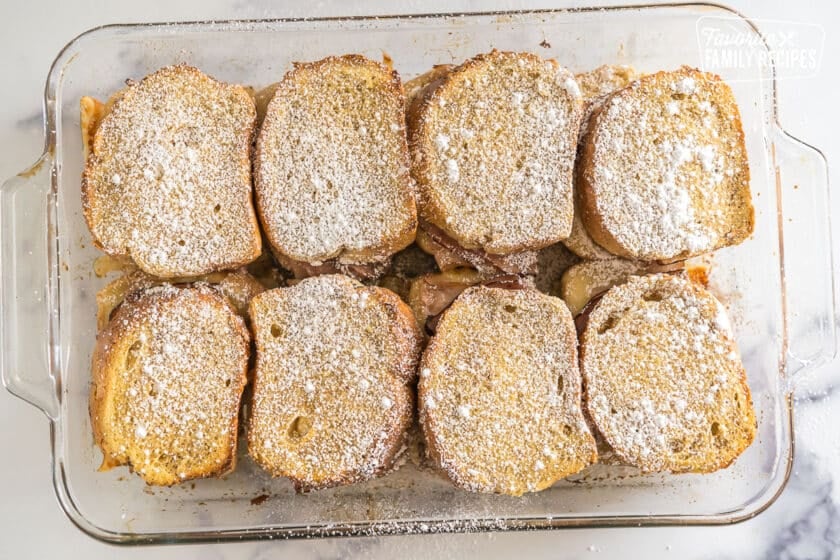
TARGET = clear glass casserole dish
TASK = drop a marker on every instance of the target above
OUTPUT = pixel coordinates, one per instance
(778, 285)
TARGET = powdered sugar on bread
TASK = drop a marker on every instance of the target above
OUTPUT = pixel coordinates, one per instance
(663, 379)
(331, 167)
(168, 180)
(493, 147)
(664, 168)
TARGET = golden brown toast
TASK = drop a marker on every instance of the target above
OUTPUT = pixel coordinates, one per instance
(168, 175)
(663, 381)
(500, 393)
(168, 373)
(663, 169)
(331, 165)
(333, 393)
(493, 145)
(595, 86)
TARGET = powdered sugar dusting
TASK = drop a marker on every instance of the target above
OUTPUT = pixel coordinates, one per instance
(162, 400)
(358, 360)
(493, 402)
(324, 187)
(169, 180)
(660, 384)
(595, 86)
(668, 174)
(501, 181)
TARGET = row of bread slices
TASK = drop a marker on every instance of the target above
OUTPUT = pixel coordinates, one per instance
(484, 164)
(510, 398)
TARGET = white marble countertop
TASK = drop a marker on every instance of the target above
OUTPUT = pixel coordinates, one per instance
(803, 523)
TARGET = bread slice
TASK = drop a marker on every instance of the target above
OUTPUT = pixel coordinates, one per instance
(168, 373)
(168, 175)
(663, 381)
(238, 286)
(663, 169)
(595, 85)
(331, 164)
(500, 393)
(449, 255)
(493, 146)
(333, 393)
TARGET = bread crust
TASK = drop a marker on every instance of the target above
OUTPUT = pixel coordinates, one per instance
(496, 228)
(107, 134)
(698, 218)
(139, 312)
(363, 404)
(468, 438)
(394, 233)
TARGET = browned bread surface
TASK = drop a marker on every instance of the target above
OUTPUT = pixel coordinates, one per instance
(421, 85)
(493, 146)
(168, 373)
(500, 393)
(663, 169)
(332, 395)
(331, 164)
(168, 174)
(663, 381)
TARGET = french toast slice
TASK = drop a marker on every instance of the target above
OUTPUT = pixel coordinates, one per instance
(663, 382)
(167, 376)
(333, 393)
(595, 86)
(331, 165)
(493, 146)
(500, 393)
(167, 180)
(663, 169)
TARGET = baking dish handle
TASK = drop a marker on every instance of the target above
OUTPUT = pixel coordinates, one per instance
(802, 183)
(25, 257)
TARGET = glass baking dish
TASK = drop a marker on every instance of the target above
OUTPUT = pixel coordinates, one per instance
(778, 285)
